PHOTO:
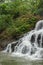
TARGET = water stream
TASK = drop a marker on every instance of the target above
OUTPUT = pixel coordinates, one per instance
(30, 46)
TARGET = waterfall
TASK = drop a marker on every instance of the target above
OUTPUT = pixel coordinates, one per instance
(31, 45)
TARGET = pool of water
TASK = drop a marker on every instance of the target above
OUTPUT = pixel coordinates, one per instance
(6, 59)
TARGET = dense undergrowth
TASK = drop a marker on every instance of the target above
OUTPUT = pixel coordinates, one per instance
(19, 17)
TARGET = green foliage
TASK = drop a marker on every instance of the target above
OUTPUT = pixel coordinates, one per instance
(39, 8)
(5, 21)
(17, 18)
(2, 0)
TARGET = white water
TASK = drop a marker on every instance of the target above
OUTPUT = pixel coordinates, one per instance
(30, 46)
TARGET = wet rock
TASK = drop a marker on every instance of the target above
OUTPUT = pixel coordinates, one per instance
(25, 50)
(39, 39)
(42, 41)
(32, 38)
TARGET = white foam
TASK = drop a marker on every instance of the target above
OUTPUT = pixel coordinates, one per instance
(25, 47)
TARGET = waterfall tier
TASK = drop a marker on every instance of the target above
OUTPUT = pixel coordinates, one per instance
(30, 45)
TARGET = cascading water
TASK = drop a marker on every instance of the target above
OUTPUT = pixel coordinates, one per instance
(31, 45)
